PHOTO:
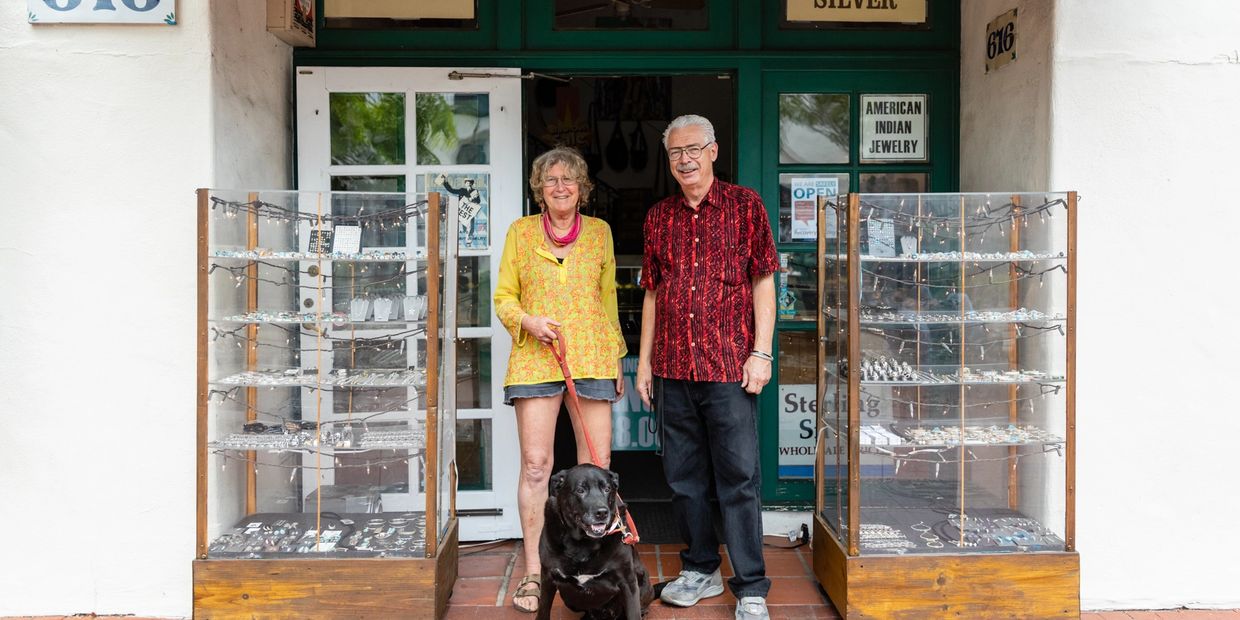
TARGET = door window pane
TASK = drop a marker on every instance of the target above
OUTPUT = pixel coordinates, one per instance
(813, 128)
(893, 182)
(473, 283)
(473, 373)
(375, 234)
(473, 455)
(367, 128)
(804, 182)
(797, 294)
(453, 128)
(622, 15)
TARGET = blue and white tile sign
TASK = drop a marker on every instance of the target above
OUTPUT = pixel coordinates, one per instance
(101, 12)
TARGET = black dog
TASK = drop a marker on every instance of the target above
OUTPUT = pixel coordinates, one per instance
(582, 553)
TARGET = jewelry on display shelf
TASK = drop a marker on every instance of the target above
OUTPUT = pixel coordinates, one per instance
(265, 254)
(337, 378)
(324, 438)
(972, 316)
(955, 256)
(403, 535)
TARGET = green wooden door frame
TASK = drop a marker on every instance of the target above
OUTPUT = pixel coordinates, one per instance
(919, 61)
(940, 85)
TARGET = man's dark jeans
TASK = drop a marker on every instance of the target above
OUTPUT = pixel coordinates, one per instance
(710, 429)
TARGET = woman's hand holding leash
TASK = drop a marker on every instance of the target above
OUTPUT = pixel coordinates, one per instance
(541, 327)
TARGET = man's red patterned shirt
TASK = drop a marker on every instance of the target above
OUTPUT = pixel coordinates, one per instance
(701, 264)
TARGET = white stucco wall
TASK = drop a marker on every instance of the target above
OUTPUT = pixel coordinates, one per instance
(105, 131)
(1005, 114)
(1141, 120)
(1145, 125)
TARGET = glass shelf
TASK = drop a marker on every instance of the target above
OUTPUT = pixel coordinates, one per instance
(371, 378)
(944, 318)
(330, 321)
(971, 257)
(294, 257)
(929, 377)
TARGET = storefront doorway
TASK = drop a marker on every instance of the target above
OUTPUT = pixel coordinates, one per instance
(617, 123)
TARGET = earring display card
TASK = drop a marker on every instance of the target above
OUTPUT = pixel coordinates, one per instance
(348, 240)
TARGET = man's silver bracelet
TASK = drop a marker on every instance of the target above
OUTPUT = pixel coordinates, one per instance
(761, 355)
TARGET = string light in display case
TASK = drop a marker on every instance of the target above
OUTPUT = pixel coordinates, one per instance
(282, 215)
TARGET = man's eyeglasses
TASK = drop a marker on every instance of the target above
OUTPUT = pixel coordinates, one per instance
(553, 181)
(693, 152)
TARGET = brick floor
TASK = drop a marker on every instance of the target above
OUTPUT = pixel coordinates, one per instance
(795, 593)
(489, 574)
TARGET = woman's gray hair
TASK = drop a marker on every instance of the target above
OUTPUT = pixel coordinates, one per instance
(575, 165)
(690, 120)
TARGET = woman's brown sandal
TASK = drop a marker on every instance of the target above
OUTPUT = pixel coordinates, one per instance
(530, 587)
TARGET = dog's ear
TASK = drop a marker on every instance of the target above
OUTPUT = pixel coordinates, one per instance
(557, 481)
(615, 479)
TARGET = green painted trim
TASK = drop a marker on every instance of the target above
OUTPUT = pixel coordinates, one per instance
(540, 32)
(939, 80)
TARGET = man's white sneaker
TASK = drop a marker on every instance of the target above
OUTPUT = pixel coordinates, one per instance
(691, 587)
(752, 608)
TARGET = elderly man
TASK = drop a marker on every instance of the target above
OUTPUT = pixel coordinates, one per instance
(707, 320)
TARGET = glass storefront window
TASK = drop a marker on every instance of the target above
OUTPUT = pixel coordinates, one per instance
(367, 128)
(814, 128)
(453, 128)
(650, 15)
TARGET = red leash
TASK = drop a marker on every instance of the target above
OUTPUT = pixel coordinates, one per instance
(629, 529)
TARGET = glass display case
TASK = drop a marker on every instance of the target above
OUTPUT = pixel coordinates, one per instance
(946, 404)
(326, 437)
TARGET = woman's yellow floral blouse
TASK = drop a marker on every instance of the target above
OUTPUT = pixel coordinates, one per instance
(580, 294)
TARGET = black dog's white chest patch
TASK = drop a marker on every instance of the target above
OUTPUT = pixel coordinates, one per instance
(582, 579)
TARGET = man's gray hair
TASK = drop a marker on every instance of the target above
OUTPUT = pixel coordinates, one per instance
(690, 120)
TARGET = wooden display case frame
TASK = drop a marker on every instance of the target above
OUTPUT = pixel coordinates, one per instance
(962, 585)
(414, 588)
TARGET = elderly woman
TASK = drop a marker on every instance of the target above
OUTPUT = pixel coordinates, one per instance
(557, 276)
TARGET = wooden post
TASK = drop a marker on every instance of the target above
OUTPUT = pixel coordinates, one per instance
(822, 353)
(251, 353)
(203, 387)
(1070, 391)
(433, 372)
(854, 374)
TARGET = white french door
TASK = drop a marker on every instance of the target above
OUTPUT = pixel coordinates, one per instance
(414, 130)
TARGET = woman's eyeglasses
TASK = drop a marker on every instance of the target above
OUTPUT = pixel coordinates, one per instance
(553, 181)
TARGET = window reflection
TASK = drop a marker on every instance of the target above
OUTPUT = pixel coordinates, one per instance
(813, 129)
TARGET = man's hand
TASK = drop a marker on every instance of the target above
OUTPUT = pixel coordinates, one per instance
(755, 374)
(541, 327)
(645, 384)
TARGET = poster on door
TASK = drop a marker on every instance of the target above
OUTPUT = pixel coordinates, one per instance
(633, 426)
(798, 413)
(805, 193)
(469, 194)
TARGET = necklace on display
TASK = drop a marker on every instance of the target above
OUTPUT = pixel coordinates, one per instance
(567, 238)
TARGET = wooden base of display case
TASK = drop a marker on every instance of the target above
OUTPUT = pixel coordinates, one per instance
(328, 588)
(1015, 585)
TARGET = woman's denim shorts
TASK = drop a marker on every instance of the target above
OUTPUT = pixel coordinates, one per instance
(593, 389)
